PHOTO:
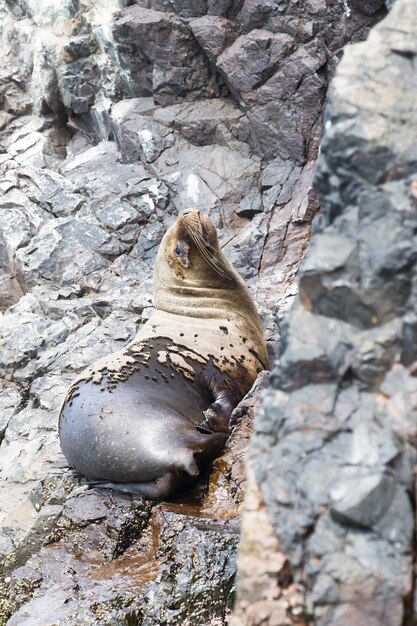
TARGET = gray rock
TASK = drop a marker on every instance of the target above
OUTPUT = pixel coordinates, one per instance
(162, 55)
(374, 157)
(21, 340)
(206, 122)
(334, 446)
(369, 7)
(108, 178)
(372, 445)
(55, 607)
(117, 216)
(79, 84)
(253, 59)
(48, 255)
(137, 135)
(398, 529)
(32, 141)
(86, 509)
(10, 400)
(44, 523)
(214, 34)
(11, 289)
(287, 136)
(191, 8)
(50, 190)
(361, 500)
(80, 46)
(206, 176)
(250, 205)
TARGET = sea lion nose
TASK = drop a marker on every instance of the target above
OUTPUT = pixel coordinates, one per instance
(186, 212)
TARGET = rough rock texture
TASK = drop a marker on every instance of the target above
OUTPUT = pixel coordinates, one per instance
(334, 451)
(114, 116)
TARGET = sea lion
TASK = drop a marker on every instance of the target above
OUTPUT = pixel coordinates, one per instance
(146, 419)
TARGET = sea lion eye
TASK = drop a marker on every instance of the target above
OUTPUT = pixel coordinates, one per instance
(181, 250)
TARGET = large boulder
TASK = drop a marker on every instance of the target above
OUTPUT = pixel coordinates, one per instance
(334, 448)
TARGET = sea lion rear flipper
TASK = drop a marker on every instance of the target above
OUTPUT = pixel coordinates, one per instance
(208, 446)
(158, 489)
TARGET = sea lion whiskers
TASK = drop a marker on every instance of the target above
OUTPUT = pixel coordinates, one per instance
(208, 256)
(195, 231)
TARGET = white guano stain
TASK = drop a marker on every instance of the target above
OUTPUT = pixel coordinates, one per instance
(147, 142)
(347, 8)
(193, 187)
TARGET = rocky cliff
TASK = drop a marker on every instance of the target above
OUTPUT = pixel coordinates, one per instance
(333, 457)
(115, 115)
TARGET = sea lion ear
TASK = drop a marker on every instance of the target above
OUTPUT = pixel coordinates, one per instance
(181, 250)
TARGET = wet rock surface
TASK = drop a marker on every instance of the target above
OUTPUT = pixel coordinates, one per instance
(333, 453)
(113, 119)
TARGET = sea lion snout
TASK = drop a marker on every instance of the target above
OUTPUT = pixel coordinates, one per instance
(185, 212)
(196, 214)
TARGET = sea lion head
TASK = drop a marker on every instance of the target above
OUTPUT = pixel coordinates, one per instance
(191, 247)
(192, 277)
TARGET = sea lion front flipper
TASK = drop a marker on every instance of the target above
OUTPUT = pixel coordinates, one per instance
(159, 489)
(217, 415)
(217, 418)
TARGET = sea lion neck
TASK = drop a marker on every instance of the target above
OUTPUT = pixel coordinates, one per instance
(195, 298)
(194, 279)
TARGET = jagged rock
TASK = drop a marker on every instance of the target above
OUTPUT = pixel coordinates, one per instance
(191, 8)
(138, 136)
(10, 287)
(361, 500)
(206, 176)
(33, 142)
(10, 399)
(162, 55)
(206, 122)
(250, 205)
(61, 251)
(293, 133)
(84, 510)
(21, 341)
(369, 7)
(14, 97)
(334, 447)
(265, 588)
(79, 84)
(375, 157)
(265, 70)
(214, 34)
(253, 59)
(80, 46)
(49, 190)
